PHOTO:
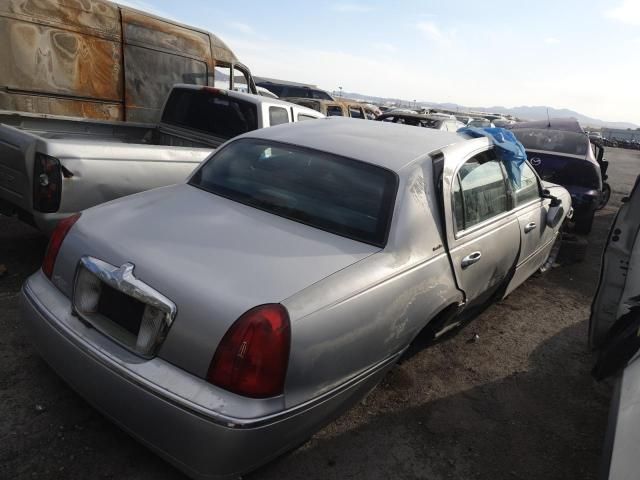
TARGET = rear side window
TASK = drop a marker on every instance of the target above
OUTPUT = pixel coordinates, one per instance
(336, 194)
(210, 111)
(483, 191)
(528, 190)
(355, 112)
(334, 111)
(278, 116)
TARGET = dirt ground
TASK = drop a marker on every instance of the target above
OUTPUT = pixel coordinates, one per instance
(517, 403)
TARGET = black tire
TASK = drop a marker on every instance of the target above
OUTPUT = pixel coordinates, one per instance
(606, 195)
(583, 223)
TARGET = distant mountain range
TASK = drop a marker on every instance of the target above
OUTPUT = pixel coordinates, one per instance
(523, 112)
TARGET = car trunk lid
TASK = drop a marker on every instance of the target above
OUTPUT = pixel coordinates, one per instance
(214, 258)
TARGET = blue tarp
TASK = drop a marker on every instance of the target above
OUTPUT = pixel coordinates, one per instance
(508, 149)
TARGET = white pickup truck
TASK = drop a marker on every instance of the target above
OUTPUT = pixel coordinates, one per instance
(52, 167)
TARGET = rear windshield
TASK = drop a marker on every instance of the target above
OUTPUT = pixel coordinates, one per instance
(552, 140)
(566, 171)
(340, 195)
(211, 112)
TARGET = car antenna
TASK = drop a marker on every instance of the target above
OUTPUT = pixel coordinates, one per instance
(548, 119)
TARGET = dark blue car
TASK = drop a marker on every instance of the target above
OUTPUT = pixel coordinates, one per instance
(561, 153)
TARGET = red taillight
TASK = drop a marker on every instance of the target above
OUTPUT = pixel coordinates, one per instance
(252, 358)
(55, 242)
(47, 183)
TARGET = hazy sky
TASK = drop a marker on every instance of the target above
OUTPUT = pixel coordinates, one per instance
(575, 54)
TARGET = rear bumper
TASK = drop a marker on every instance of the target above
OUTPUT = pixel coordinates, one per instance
(203, 443)
(44, 222)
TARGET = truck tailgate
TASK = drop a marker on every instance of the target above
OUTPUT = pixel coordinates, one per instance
(16, 166)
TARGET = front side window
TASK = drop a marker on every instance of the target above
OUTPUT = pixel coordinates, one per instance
(340, 195)
(528, 190)
(484, 191)
(278, 116)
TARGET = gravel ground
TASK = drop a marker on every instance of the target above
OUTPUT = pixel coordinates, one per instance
(518, 403)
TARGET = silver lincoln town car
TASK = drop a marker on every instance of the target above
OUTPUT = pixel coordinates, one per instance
(225, 320)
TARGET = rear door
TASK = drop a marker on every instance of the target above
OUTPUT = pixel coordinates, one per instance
(483, 234)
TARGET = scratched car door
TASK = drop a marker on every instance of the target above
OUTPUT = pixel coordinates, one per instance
(485, 238)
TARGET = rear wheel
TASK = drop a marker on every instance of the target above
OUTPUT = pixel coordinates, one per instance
(584, 222)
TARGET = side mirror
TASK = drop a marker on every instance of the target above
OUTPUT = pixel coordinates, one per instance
(554, 216)
(555, 201)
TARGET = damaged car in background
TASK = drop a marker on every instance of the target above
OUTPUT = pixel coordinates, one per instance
(561, 153)
(225, 320)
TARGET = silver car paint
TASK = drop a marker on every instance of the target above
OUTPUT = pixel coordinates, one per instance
(189, 423)
(353, 307)
(224, 257)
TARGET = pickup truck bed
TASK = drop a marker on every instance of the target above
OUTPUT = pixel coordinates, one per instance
(52, 167)
(98, 161)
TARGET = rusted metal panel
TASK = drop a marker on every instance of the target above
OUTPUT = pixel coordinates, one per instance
(154, 33)
(96, 59)
(221, 53)
(95, 17)
(46, 59)
(60, 106)
(150, 76)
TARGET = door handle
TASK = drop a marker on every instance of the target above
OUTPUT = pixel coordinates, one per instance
(529, 226)
(471, 259)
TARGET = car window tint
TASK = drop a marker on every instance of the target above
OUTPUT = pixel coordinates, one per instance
(277, 116)
(484, 192)
(210, 111)
(334, 111)
(343, 196)
(528, 186)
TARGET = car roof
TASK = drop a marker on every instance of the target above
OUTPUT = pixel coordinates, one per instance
(564, 124)
(385, 144)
